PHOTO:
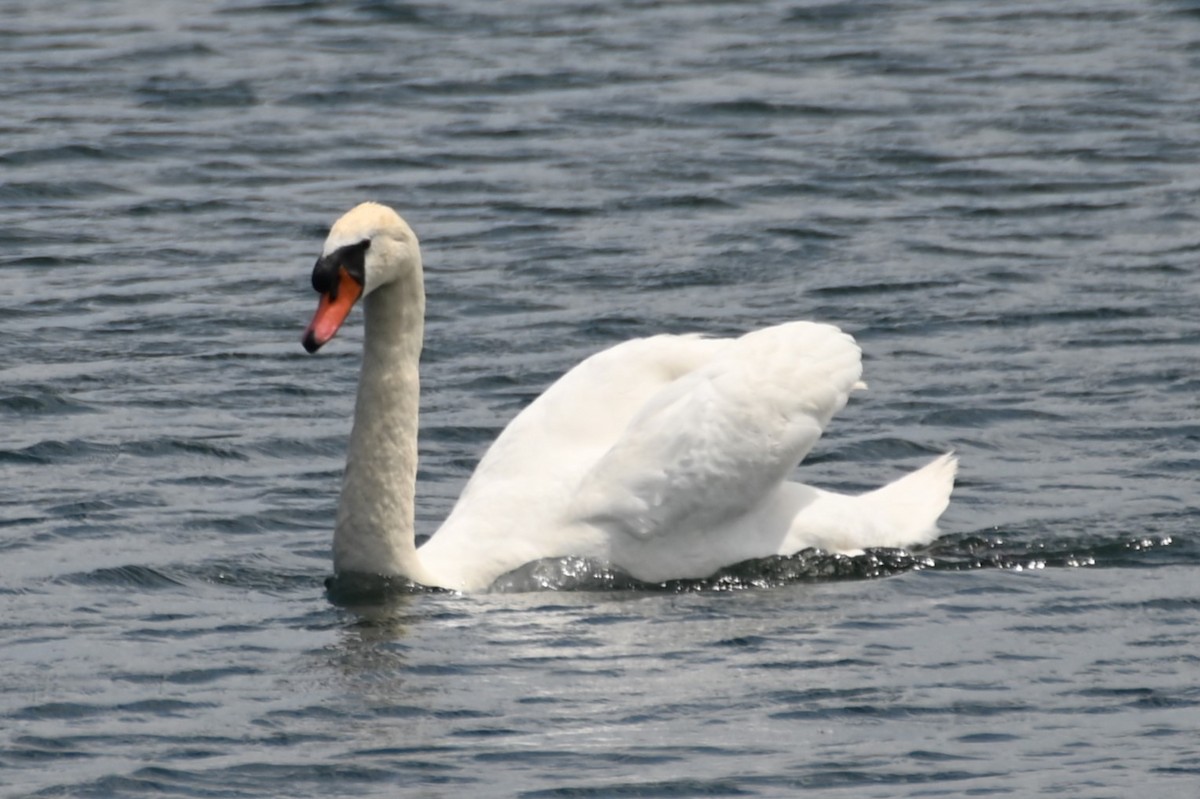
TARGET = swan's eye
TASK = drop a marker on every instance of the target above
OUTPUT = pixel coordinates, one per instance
(352, 258)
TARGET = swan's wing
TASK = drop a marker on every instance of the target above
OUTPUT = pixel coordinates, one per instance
(642, 439)
(535, 464)
(713, 444)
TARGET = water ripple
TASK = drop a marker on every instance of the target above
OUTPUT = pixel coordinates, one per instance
(997, 200)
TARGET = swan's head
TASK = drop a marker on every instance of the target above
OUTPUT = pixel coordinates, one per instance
(369, 247)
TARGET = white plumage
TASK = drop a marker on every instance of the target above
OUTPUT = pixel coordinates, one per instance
(665, 456)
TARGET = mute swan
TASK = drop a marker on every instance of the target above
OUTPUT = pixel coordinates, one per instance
(664, 456)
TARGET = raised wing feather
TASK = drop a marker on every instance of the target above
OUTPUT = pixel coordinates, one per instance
(654, 437)
(533, 468)
(715, 442)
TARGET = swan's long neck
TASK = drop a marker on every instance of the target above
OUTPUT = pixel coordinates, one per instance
(374, 533)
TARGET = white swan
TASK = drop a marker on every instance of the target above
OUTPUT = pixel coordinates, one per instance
(665, 456)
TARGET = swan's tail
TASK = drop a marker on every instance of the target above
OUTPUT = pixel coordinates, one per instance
(908, 508)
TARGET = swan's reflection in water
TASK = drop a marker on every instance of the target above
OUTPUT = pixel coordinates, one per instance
(371, 655)
(403, 648)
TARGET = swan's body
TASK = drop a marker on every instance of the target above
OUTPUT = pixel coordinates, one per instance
(665, 456)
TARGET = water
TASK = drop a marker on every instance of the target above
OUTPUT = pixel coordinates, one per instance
(998, 200)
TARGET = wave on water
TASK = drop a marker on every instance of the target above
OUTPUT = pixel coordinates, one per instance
(1018, 551)
(133, 576)
(950, 553)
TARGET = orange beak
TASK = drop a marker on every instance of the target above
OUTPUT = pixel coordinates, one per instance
(332, 311)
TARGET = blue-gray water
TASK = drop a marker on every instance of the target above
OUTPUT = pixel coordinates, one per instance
(998, 199)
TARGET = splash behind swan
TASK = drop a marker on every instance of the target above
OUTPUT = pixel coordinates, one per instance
(665, 456)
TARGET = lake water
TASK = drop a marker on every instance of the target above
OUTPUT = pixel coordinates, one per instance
(1000, 201)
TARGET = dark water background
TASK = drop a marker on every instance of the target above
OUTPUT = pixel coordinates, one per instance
(998, 199)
